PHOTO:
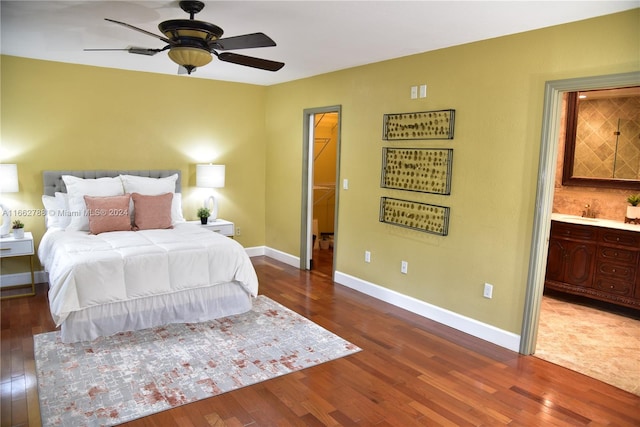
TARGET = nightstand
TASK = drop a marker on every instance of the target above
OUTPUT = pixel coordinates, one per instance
(222, 226)
(10, 247)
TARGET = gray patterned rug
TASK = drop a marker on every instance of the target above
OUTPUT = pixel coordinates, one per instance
(130, 375)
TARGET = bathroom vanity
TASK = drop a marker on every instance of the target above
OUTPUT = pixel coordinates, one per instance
(595, 258)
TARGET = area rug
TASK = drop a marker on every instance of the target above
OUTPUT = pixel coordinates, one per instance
(130, 375)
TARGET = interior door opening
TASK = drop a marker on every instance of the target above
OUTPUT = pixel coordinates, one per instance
(320, 207)
(554, 91)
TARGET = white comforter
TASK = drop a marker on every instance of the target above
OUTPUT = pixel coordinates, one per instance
(87, 270)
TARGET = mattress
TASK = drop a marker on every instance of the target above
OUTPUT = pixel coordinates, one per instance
(148, 276)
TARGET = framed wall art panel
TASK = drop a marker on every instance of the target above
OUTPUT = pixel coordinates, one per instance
(415, 215)
(420, 125)
(427, 170)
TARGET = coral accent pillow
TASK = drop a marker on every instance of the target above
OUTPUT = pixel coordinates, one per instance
(108, 213)
(152, 212)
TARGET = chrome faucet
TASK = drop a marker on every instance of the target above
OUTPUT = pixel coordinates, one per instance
(588, 212)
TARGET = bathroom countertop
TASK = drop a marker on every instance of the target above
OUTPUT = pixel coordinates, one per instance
(597, 222)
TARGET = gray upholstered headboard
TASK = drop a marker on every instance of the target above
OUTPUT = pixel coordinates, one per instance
(53, 179)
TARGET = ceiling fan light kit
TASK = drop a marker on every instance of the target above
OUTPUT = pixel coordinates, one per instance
(191, 43)
(189, 57)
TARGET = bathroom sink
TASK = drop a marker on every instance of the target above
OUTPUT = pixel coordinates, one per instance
(584, 219)
(575, 218)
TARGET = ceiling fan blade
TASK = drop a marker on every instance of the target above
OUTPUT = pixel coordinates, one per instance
(249, 61)
(246, 41)
(133, 49)
(149, 33)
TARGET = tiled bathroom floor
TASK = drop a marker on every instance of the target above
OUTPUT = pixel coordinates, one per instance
(597, 343)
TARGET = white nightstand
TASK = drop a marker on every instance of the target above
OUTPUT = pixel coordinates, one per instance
(10, 247)
(222, 226)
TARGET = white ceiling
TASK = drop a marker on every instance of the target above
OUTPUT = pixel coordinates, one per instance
(313, 37)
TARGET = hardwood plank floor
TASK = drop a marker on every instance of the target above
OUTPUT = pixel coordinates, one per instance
(411, 372)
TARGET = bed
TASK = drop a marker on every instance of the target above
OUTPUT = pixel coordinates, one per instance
(129, 260)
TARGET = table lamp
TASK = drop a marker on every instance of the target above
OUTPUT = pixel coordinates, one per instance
(210, 176)
(8, 184)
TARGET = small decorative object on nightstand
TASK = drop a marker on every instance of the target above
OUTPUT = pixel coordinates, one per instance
(18, 229)
(14, 247)
(203, 214)
(224, 227)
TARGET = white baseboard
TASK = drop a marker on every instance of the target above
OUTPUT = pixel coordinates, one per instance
(23, 278)
(275, 254)
(465, 324)
(284, 257)
(255, 251)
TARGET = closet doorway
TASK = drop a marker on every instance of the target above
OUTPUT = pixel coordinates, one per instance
(320, 198)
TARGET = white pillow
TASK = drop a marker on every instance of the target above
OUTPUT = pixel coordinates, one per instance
(149, 186)
(176, 209)
(77, 188)
(93, 187)
(52, 209)
(64, 217)
(155, 187)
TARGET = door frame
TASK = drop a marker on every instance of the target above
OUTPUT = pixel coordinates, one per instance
(306, 220)
(552, 109)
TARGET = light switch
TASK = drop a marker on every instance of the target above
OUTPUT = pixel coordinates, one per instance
(345, 184)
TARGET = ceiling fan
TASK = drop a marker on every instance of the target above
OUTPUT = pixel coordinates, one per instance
(191, 43)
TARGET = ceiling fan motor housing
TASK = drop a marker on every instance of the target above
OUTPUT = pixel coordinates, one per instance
(190, 41)
(175, 29)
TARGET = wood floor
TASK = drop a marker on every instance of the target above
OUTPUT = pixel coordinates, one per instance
(411, 372)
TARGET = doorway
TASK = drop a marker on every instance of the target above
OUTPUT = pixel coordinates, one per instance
(321, 160)
(576, 332)
(551, 125)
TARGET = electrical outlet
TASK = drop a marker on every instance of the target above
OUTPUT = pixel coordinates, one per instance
(237, 231)
(367, 256)
(414, 92)
(404, 267)
(488, 290)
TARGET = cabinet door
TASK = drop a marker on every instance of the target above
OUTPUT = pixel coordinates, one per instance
(579, 263)
(555, 260)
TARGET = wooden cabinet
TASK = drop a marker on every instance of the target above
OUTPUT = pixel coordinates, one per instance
(596, 262)
(617, 265)
(572, 250)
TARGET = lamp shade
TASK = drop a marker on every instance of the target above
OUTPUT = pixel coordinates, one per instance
(8, 178)
(189, 56)
(210, 176)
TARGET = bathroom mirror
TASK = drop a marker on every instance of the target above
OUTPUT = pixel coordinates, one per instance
(602, 138)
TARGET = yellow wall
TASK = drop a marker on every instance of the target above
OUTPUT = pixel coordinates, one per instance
(497, 88)
(62, 116)
(57, 116)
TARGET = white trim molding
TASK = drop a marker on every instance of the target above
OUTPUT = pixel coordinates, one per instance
(284, 257)
(23, 278)
(465, 324)
(255, 251)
